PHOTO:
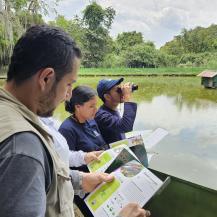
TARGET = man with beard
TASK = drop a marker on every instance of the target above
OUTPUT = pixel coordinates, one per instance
(34, 181)
(112, 126)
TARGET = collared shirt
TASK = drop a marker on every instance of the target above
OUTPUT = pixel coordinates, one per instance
(71, 158)
(112, 126)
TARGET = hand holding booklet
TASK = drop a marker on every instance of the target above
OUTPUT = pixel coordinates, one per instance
(134, 145)
(133, 181)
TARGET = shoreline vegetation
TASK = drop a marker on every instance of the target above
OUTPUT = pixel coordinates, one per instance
(175, 71)
(168, 71)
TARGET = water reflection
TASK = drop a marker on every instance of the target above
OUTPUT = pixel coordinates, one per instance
(176, 115)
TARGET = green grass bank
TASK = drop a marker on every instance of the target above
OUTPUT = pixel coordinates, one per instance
(176, 71)
(190, 71)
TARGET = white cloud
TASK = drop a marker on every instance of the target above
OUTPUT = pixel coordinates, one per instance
(172, 18)
(159, 21)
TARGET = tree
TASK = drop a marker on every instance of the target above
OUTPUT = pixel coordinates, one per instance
(94, 16)
(197, 40)
(165, 60)
(128, 39)
(96, 37)
(140, 56)
(72, 27)
(173, 47)
(15, 17)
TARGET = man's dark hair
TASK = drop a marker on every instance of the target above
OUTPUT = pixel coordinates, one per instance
(40, 47)
(80, 95)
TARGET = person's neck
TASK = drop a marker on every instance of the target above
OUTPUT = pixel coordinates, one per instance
(23, 93)
(79, 118)
(112, 106)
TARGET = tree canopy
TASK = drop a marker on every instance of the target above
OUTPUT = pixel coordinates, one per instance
(194, 46)
(91, 31)
(15, 17)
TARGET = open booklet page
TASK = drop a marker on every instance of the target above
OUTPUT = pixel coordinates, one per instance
(136, 144)
(133, 183)
(125, 156)
(108, 157)
(150, 139)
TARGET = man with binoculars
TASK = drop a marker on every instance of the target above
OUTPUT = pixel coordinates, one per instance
(113, 92)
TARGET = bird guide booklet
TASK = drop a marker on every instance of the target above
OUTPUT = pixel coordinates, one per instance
(133, 183)
(134, 145)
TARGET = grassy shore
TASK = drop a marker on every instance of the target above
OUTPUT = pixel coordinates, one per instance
(176, 71)
(191, 71)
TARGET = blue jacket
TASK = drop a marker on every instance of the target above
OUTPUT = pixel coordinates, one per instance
(82, 136)
(112, 126)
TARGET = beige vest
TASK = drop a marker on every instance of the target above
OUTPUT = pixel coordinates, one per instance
(14, 118)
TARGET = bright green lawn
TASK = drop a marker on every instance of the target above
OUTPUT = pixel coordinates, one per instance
(137, 71)
(141, 71)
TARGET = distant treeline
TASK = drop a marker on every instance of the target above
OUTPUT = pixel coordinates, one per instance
(195, 47)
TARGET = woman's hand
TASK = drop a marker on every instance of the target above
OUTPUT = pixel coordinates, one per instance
(91, 156)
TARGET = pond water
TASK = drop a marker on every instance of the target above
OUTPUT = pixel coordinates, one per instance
(188, 112)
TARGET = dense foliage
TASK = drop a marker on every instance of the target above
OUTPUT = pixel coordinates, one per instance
(194, 47)
(15, 17)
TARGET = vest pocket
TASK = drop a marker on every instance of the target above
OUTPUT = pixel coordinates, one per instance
(65, 194)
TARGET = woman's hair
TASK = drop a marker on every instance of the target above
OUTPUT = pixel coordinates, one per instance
(80, 95)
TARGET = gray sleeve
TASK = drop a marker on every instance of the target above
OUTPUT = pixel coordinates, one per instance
(22, 187)
(25, 176)
(76, 158)
(76, 178)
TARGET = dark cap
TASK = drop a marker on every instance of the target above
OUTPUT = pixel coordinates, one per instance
(105, 85)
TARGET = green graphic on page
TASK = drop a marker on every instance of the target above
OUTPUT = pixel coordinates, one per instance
(102, 194)
(95, 165)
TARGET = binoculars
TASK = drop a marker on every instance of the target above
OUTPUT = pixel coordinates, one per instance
(134, 87)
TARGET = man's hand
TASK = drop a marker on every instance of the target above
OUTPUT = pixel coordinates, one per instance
(91, 180)
(91, 156)
(126, 90)
(134, 210)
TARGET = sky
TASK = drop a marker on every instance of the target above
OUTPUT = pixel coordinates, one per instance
(158, 20)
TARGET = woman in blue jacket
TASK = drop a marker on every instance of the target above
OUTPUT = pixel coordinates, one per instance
(80, 129)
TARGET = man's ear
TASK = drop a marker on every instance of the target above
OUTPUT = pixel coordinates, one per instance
(46, 77)
(106, 96)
